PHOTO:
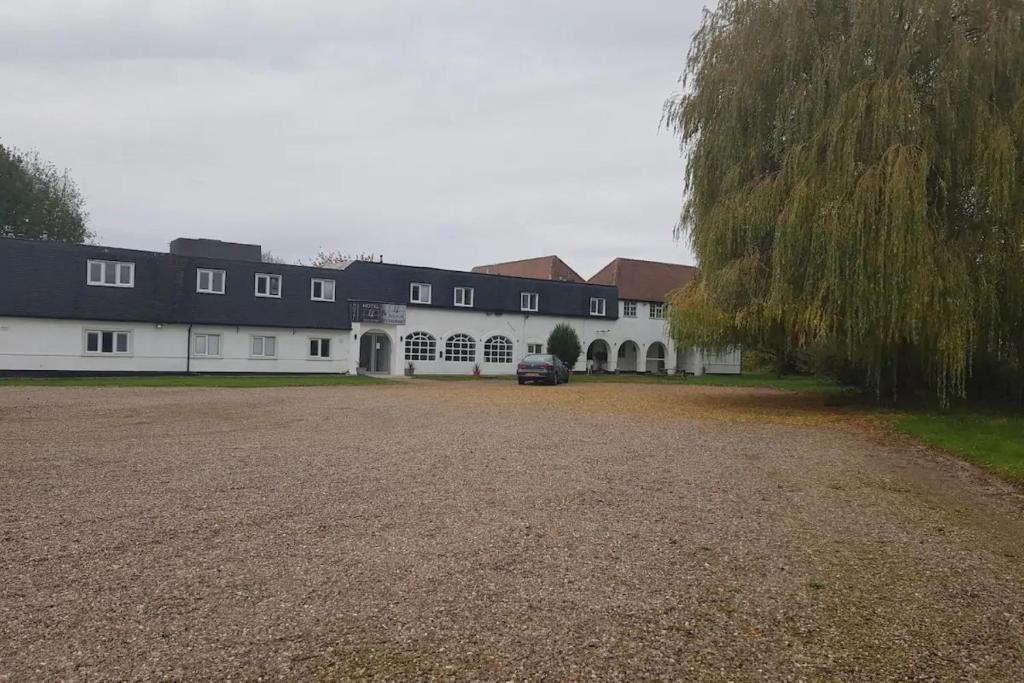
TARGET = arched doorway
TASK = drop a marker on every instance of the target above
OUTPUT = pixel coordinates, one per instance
(629, 354)
(597, 356)
(375, 353)
(656, 358)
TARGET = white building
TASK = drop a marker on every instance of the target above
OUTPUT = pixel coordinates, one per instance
(209, 306)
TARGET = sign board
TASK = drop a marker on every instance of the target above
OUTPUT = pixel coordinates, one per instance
(381, 314)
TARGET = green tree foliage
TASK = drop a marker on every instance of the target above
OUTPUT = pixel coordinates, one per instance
(39, 202)
(565, 343)
(855, 183)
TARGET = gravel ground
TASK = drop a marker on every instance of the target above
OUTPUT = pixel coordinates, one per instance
(479, 530)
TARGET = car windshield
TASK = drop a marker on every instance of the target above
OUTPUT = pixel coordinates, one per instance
(539, 358)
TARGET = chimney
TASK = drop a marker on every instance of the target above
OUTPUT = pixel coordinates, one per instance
(204, 248)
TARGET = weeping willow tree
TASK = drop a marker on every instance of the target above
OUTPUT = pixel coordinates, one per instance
(855, 183)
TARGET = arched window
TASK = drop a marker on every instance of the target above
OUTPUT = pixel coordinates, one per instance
(498, 349)
(420, 346)
(656, 357)
(460, 348)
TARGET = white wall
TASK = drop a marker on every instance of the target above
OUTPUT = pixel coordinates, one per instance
(522, 329)
(59, 345)
(40, 344)
(292, 350)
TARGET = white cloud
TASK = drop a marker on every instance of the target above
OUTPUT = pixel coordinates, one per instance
(442, 133)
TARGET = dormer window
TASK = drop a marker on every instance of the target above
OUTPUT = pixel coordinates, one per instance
(597, 306)
(268, 285)
(321, 290)
(657, 311)
(529, 301)
(464, 297)
(209, 281)
(110, 273)
(419, 293)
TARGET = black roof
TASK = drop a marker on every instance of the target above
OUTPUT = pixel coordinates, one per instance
(48, 280)
(389, 282)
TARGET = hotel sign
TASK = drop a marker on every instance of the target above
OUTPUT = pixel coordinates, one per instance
(382, 314)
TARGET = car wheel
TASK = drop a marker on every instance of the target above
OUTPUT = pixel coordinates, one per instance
(522, 381)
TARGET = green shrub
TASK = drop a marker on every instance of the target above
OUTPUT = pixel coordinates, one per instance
(565, 343)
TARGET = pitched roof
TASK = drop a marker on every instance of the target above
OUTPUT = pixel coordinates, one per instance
(644, 280)
(542, 268)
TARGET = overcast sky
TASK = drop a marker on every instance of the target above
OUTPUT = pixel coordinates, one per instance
(439, 132)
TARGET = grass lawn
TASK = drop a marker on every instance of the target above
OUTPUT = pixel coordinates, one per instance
(462, 378)
(994, 441)
(750, 379)
(791, 383)
(241, 381)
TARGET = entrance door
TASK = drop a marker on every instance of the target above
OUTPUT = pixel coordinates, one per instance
(375, 353)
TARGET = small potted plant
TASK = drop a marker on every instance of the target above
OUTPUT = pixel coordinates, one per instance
(476, 369)
(410, 369)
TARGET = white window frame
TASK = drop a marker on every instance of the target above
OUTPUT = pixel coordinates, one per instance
(104, 265)
(462, 346)
(422, 287)
(629, 309)
(656, 311)
(526, 298)
(534, 347)
(206, 336)
(129, 346)
(498, 350)
(319, 341)
(463, 297)
(420, 346)
(262, 355)
(212, 273)
(323, 288)
(269, 277)
(598, 306)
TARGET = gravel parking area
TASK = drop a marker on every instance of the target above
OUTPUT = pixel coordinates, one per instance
(481, 530)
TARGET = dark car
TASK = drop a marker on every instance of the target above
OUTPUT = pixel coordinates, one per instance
(542, 367)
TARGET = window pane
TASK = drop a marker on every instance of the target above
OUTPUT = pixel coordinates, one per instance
(269, 345)
(318, 289)
(218, 281)
(200, 345)
(95, 272)
(92, 341)
(261, 284)
(124, 274)
(275, 286)
(213, 345)
(108, 342)
(314, 347)
(204, 279)
(122, 342)
(329, 290)
(109, 274)
(257, 346)
(325, 348)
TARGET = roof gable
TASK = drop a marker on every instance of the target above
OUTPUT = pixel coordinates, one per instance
(644, 280)
(541, 268)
